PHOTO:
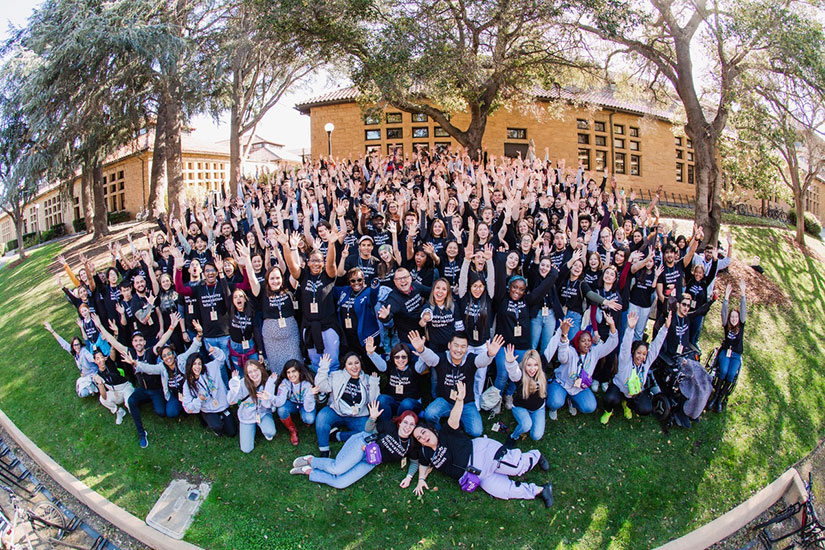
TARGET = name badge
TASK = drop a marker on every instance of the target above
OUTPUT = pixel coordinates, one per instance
(258, 418)
(282, 322)
(475, 334)
(191, 309)
(729, 352)
(215, 403)
(347, 322)
(294, 304)
(453, 395)
(313, 307)
(564, 309)
(399, 389)
(213, 315)
(517, 331)
(245, 344)
(149, 319)
(679, 349)
(545, 311)
(692, 304)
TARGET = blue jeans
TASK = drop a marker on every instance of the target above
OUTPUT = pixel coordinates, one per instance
(328, 419)
(542, 329)
(222, 343)
(529, 421)
(246, 432)
(288, 408)
(470, 417)
(142, 395)
(728, 367)
(393, 407)
(575, 327)
(173, 407)
(345, 469)
(332, 346)
(238, 348)
(696, 329)
(502, 379)
(584, 401)
(644, 315)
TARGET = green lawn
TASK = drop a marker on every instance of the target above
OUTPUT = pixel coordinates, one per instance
(624, 486)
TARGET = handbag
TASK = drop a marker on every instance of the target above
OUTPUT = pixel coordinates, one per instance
(470, 481)
(490, 398)
(372, 451)
(634, 384)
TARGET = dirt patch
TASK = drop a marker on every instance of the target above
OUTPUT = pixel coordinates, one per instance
(804, 249)
(760, 289)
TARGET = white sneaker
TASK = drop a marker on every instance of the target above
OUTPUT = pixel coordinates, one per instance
(119, 416)
(508, 402)
(553, 415)
(605, 385)
(572, 409)
(594, 387)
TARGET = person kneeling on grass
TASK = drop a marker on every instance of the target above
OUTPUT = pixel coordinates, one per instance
(635, 359)
(83, 359)
(112, 385)
(204, 392)
(254, 397)
(294, 393)
(530, 396)
(477, 461)
(359, 454)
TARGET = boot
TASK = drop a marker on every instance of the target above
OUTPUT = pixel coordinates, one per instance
(727, 388)
(714, 397)
(290, 426)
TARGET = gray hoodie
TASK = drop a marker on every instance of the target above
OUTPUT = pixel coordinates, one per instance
(335, 383)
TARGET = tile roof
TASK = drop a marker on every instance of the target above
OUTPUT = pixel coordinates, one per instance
(601, 97)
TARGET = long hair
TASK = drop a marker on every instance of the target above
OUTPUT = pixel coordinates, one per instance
(532, 384)
(267, 291)
(448, 300)
(304, 373)
(250, 385)
(191, 379)
(484, 306)
(729, 327)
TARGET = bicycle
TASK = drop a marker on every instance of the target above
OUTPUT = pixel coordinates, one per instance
(46, 520)
(810, 532)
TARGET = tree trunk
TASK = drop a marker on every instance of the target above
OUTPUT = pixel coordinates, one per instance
(235, 113)
(174, 165)
(764, 207)
(707, 180)
(101, 225)
(86, 196)
(799, 206)
(156, 200)
(18, 223)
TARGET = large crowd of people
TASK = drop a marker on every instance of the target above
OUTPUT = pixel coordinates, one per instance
(390, 301)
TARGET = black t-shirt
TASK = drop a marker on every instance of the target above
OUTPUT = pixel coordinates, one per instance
(352, 392)
(317, 290)
(393, 446)
(442, 326)
(405, 309)
(448, 374)
(402, 384)
(477, 318)
(112, 376)
(641, 294)
(734, 341)
(241, 327)
(559, 257)
(211, 308)
(671, 278)
(276, 305)
(532, 403)
(367, 267)
(452, 453)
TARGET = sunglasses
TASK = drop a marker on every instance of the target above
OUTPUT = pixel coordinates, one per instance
(357, 280)
(402, 356)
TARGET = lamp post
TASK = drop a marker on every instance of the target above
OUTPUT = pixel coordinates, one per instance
(329, 127)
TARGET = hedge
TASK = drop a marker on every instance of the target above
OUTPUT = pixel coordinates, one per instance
(117, 217)
(812, 225)
(79, 225)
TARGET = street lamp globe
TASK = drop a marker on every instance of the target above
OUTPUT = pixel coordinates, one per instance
(329, 127)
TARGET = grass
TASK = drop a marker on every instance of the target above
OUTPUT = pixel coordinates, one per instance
(626, 486)
(727, 217)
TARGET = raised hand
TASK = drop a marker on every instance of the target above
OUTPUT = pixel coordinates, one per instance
(384, 312)
(197, 326)
(416, 341)
(375, 410)
(369, 345)
(632, 319)
(510, 353)
(494, 345)
(566, 324)
(460, 391)
(669, 318)
(325, 361)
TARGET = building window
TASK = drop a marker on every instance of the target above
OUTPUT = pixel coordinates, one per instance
(582, 124)
(620, 167)
(690, 156)
(114, 193)
(513, 150)
(421, 147)
(618, 143)
(396, 148)
(394, 118)
(422, 132)
(419, 117)
(370, 135)
(689, 143)
(634, 145)
(584, 158)
(599, 126)
(680, 172)
(395, 133)
(372, 119)
(601, 141)
(618, 129)
(53, 211)
(680, 154)
(441, 146)
(678, 141)
(516, 133)
(76, 208)
(373, 149)
(635, 165)
(440, 132)
(601, 160)
(584, 139)
(634, 132)
(690, 174)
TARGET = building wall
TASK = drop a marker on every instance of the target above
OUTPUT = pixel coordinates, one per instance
(814, 199)
(508, 130)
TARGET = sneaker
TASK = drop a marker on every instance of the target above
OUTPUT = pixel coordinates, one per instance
(553, 414)
(508, 402)
(510, 443)
(547, 495)
(572, 409)
(143, 440)
(322, 398)
(594, 387)
(323, 454)
(606, 417)
(605, 385)
(544, 464)
(301, 461)
(333, 433)
(303, 470)
(119, 416)
(627, 412)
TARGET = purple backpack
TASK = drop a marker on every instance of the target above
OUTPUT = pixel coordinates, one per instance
(373, 453)
(470, 481)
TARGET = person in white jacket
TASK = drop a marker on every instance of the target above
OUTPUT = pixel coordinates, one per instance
(171, 369)
(635, 359)
(350, 392)
(83, 359)
(204, 392)
(254, 397)
(295, 393)
(575, 374)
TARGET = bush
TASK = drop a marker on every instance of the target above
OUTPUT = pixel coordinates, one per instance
(55, 231)
(117, 217)
(812, 224)
(30, 239)
(12, 244)
(79, 225)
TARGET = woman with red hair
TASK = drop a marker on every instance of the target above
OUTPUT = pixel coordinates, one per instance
(389, 441)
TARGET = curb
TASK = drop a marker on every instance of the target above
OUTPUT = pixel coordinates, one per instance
(103, 507)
